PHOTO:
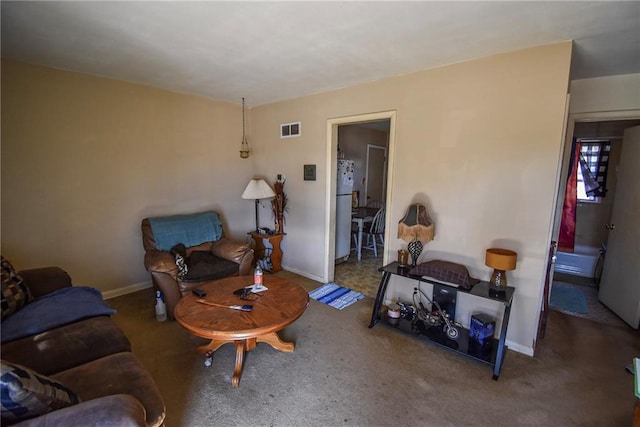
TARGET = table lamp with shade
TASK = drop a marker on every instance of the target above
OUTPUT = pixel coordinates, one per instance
(257, 189)
(416, 228)
(500, 260)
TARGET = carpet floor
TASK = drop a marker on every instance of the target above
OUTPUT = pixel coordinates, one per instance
(344, 374)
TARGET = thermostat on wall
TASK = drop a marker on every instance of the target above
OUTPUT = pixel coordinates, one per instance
(309, 172)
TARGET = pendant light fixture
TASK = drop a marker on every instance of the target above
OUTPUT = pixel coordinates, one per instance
(244, 147)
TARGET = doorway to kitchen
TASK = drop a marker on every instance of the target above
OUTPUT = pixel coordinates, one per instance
(365, 145)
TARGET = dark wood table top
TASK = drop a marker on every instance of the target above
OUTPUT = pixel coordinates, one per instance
(273, 309)
(363, 212)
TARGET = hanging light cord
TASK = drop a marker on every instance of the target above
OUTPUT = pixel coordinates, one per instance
(243, 137)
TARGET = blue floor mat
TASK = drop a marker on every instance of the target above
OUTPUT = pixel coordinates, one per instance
(569, 298)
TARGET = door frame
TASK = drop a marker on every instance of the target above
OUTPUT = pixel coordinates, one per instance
(602, 116)
(330, 181)
(384, 175)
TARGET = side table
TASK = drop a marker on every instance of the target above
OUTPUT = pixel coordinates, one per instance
(274, 240)
(493, 354)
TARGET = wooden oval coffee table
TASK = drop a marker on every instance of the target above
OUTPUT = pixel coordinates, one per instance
(273, 310)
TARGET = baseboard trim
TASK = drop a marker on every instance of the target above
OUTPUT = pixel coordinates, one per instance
(303, 274)
(126, 290)
(519, 348)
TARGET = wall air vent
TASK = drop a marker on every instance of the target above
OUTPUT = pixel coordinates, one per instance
(290, 130)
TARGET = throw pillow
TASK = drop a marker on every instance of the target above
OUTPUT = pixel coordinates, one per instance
(26, 394)
(15, 292)
(445, 271)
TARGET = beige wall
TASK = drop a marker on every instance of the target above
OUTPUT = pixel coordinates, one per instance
(84, 159)
(479, 142)
(612, 93)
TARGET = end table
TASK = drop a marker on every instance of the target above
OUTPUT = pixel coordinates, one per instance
(274, 240)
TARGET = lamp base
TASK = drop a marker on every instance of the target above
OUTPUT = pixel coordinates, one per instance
(415, 249)
(498, 284)
(498, 278)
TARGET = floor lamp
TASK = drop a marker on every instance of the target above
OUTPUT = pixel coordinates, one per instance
(257, 189)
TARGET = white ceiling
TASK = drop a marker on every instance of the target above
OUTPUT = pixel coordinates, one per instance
(271, 51)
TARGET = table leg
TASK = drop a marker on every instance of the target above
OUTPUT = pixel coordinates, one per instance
(242, 347)
(382, 289)
(208, 349)
(274, 341)
(276, 253)
(237, 371)
(360, 227)
(501, 347)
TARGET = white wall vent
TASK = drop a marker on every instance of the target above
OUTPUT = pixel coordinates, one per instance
(290, 130)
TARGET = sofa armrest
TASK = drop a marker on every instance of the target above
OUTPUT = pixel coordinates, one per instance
(161, 262)
(42, 281)
(240, 253)
(115, 410)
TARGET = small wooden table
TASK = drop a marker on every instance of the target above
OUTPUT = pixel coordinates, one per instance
(273, 310)
(274, 240)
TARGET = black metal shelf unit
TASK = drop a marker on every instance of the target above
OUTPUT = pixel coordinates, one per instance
(491, 352)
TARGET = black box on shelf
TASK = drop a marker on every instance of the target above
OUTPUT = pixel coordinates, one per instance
(482, 328)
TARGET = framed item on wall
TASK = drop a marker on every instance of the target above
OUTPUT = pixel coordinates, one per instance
(309, 172)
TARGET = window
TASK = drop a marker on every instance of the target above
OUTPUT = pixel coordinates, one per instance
(592, 170)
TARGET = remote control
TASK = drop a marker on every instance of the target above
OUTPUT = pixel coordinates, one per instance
(199, 293)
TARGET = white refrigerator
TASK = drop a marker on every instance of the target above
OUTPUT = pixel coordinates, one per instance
(343, 208)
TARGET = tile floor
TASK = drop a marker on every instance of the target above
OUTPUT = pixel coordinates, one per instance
(361, 276)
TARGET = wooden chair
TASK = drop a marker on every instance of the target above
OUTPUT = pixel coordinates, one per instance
(373, 233)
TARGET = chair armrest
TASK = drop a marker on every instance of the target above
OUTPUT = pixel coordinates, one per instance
(161, 262)
(42, 281)
(115, 410)
(240, 253)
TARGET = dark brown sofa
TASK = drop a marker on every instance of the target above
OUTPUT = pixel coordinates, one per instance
(92, 357)
(207, 260)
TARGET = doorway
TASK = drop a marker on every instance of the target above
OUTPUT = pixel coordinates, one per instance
(579, 271)
(353, 138)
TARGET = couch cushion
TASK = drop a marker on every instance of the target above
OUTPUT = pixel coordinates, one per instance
(62, 348)
(204, 266)
(15, 292)
(61, 307)
(27, 394)
(118, 410)
(120, 373)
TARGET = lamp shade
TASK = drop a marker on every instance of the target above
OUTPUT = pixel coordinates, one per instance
(500, 259)
(257, 189)
(416, 225)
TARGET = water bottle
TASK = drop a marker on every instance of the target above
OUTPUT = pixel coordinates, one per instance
(257, 275)
(161, 309)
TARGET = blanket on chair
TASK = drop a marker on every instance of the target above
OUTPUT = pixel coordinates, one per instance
(190, 230)
(53, 310)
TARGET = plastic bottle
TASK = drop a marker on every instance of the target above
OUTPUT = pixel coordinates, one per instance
(257, 275)
(161, 309)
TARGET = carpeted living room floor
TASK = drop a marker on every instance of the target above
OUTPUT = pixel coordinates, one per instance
(342, 373)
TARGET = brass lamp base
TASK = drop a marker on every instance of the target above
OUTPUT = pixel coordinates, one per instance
(498, 284)
(498, 278)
